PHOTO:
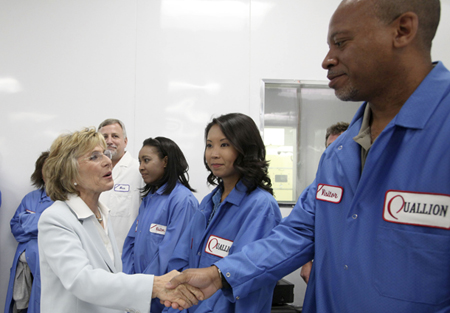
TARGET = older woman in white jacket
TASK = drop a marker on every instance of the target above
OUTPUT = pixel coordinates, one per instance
(80, 262)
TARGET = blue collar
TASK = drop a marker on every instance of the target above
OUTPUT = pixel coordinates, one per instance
(236, 195)
(44, 196)
(419, 107)
(162, 189)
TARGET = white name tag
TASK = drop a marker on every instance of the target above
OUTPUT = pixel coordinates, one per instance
(414, 208)
(329, 193)
(122, 188)
(158, 229)
(218, 246)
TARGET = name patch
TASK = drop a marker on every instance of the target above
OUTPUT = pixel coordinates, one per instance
(329, 193)
(218, 246)
(414, 208)
(158, 229)
(122, 188)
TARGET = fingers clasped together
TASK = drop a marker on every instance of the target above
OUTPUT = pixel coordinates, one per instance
(181, 291)
(183, 295)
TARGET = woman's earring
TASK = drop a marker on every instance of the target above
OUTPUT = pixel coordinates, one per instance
(75, 184)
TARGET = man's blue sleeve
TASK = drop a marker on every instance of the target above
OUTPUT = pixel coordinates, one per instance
(288, 247)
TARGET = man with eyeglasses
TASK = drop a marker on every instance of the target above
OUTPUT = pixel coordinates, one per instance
(124, 199)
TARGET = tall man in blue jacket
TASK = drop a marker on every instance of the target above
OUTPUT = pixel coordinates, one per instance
(376, 219)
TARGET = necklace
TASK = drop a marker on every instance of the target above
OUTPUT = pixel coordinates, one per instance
(99, 219)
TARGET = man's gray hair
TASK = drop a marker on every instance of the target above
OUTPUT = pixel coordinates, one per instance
(111, 121)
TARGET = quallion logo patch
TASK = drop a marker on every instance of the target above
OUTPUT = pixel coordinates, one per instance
(329, 193)
(415, 208)
(218, 246)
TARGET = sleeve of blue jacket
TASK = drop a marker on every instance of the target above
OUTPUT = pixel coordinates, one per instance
(288, 246)
(128, 248)
(180, 258)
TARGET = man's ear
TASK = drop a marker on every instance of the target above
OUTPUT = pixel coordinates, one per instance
(407, 26)
(126, 141)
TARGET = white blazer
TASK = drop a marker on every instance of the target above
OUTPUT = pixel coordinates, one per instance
(77, 273)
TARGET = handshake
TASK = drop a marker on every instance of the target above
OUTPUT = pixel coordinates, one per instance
(183, 290)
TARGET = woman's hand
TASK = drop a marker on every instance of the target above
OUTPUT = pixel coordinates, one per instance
(206, 279)
(184, 295)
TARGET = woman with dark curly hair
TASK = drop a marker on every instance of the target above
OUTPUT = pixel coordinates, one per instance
(241, 209)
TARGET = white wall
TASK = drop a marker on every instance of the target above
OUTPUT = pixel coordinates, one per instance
(162, 66)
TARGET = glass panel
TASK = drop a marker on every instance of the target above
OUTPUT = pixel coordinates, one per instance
(294, 117)
(280, 144)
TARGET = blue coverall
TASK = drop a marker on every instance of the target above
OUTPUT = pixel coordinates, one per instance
(372, 252)
(147, 249)
(241, 218)
(24, 227)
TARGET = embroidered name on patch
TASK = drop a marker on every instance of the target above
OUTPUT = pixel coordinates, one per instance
(218, 246)
(122, 188)
(329, 193)
(414, 208)
(158, 229)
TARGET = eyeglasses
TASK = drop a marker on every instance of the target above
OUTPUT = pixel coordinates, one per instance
(98, 156)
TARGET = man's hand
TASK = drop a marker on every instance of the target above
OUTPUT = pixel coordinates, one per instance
(184, 296)
(306, 271)
(206, 279)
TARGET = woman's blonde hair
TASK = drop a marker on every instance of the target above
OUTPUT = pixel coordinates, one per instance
(61, 167)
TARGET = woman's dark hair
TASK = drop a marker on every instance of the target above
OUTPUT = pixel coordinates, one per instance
(250, 163)
(176, 169)
(37, 178)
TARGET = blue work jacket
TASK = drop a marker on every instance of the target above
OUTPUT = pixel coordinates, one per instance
(380, 238)
(241, 218)
(24, 227)
(156, 231)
